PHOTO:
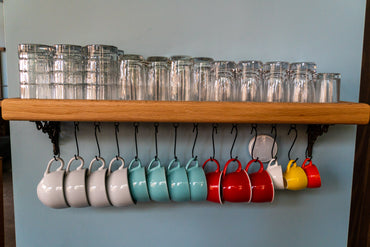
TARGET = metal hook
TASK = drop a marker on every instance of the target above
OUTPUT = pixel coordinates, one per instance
(136, 130)
(76, 124)
(195, 128)
(235, 126)
(156, 140)
(175, 125)
(116, 130)
(293, 127)
(97, 128)
(273, 129)
(254, 128)
(214, 130)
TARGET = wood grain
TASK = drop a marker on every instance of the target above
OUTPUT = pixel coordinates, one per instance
(201, 112)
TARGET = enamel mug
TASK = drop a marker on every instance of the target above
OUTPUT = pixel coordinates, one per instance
(294, 177)
(276, 173)
(96, 184)
(213, 183)
(177, 180)
(312, 173)
(137, 182)
(157, 182)
(197, 181)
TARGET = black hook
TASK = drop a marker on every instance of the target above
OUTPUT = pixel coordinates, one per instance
(175, 125)
(76, 124)
(214, 130)
(97, 128)
(156, 140)
(235, 126)
(116, 130)
(273, 129)
(136, 130)
(293, 127)
(254, 128)
(195, 128)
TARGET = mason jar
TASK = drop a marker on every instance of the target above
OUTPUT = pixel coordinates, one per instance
(275, 75)
(328, 87)
(223, 86)
(249, 81)
(202, 77)
(132, 77)
(181, 86)
(158, 78)
(301, 86)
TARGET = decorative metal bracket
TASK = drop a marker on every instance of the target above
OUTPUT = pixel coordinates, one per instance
(53, 130)
(314, 131)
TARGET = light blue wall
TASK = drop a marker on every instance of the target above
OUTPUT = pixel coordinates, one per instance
(327, 32)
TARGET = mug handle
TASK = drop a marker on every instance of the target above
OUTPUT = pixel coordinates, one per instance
(291, 162)
(214, 160)
(228, 163)
(251, 162)
(150, 167)
(305, 161)
(131, 168)
(73, 159)
(173, 162)
(190, 161)
(51, 162)
(92, 162)
(112, 161)
(269, 165)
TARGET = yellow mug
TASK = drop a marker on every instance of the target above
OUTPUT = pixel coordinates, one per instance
(294, 177)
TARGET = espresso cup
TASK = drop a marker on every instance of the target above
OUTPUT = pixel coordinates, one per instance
(117, 184)
(213, 183)
(50, 189)
(137, 182)
(294, 177)
(177, 180)
(236, 186)
(96, 184)
(157, 182)
(197, 181)
(75, 184)
(262, 185)
(312, 173)
(276, 173)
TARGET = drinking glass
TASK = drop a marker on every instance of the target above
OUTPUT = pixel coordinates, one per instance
(181, 87)
(132, 77)
(158, 78)
(250, 81)
(223, 86)
(275, 76)
(328, 87)
(301, 83)
(202, 77)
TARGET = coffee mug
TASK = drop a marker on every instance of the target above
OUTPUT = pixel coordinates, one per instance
(96, 184)
(236, 186)
(157, 182)
(262, 185)
(137, 182)
(75, 184)
(177, 180)
(294, 177)
(197, 181)
(312, 173)
(276, 173)
(117, 184)
(50, 189)
(213, 183)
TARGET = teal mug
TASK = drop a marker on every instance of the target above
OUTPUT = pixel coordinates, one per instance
(178, 184)
(157, 182)
(197, 181)
(137, 182)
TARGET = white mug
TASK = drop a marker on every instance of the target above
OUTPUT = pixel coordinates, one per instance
(96, 187)
(50, 189)
(75, 185)
(276, 173)
(117, 185)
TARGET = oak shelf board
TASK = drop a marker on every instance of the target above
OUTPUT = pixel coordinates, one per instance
(185, 111)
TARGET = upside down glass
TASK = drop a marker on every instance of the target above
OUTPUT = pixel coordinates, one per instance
(202, 77)
(250, 81)
(223, 87)
(181, 87)
(301, 83)
(275, 81)
(132, 77)
(158, 77)
(328, 87)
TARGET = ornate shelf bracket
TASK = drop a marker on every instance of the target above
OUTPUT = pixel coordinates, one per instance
(314, 131)
(52, 129)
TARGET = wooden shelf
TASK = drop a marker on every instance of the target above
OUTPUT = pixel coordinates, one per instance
(200, 112)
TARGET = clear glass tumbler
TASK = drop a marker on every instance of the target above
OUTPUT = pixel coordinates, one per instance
(35, 70)
(275, 75)
(328, 87)
(250, 82)
(158, 78)
(223, 86)
(202, 77)
(101, 71)
(181, 86)
(301, 82)
(132, 77)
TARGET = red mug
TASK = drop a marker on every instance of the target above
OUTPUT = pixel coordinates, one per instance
(262, 186)
(214, 183)
(312, 173)
(236, 186)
